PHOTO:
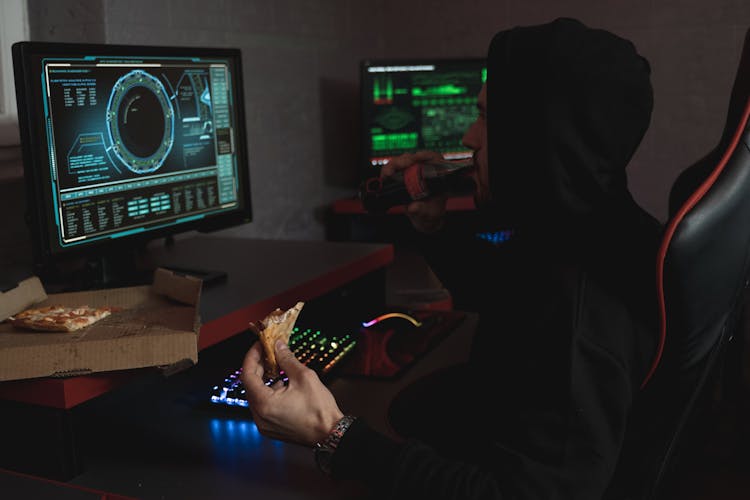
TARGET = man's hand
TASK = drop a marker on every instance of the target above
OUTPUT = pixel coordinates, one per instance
(304, 411)
(425, 215)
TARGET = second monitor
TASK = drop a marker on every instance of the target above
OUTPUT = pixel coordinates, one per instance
(416, 104)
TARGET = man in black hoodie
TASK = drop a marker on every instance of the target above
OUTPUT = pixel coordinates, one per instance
(567, 307)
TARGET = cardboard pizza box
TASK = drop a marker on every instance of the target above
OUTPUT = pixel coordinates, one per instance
(157, 326)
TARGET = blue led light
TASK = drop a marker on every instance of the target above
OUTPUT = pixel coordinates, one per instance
(496, 237)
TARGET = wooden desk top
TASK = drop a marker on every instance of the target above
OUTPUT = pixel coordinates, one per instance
(262, 275)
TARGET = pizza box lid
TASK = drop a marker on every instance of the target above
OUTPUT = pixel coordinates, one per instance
(157, 326)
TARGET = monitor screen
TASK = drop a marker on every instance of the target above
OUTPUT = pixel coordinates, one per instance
(129, 143)
(417, 104)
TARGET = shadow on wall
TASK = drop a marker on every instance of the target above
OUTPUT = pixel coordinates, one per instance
(340, 132)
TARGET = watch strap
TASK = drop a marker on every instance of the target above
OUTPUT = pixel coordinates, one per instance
(324, 449)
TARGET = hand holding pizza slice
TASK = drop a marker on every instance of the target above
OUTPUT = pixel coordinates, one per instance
(277, 325)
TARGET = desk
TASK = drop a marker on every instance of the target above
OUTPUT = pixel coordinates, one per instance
(262, 275)
(155, 441)
(353, 206)
(350, 222)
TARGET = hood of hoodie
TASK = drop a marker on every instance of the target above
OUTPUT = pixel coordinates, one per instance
(567, 107)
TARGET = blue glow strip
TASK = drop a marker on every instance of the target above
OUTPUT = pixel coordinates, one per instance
(125, 233)
(187, 219)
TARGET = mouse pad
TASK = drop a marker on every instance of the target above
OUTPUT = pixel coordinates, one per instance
(387, 348)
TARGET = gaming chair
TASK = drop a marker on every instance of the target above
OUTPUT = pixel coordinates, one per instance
(703, 267)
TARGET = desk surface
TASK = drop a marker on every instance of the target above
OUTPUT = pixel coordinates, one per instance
(261, 275)
(265, 274)
(156, 440)
(353, 206)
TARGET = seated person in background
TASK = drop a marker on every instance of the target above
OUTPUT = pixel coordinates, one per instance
(567, 307)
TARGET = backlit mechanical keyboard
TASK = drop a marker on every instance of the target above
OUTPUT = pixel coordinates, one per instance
(313, 348)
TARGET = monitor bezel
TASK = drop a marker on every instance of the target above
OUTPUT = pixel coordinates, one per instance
(365, 168)
(27, 71)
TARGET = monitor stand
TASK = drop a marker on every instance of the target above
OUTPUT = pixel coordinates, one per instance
(111, 270)
(208, 276)
(119, 268)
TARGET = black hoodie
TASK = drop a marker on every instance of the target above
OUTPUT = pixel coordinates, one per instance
(567, 307)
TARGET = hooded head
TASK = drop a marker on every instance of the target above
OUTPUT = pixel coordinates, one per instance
(567, 107)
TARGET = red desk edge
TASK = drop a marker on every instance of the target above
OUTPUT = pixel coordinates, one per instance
(65, 393)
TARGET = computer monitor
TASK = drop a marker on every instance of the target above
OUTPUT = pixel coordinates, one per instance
(414, 104)
(123, 144)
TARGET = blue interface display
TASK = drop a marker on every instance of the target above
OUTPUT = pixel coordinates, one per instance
(137, 143)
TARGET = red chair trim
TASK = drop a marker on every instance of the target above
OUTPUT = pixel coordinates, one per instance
(669, 233)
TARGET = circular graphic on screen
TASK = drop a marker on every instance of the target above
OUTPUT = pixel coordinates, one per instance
(140, 122)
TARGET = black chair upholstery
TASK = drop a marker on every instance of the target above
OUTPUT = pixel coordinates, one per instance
(703, 267)
(703, 271)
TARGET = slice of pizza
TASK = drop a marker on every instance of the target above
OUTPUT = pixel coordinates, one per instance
(277, 325)
(57, 318)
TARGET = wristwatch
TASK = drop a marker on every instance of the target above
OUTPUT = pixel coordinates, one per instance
(325, 449)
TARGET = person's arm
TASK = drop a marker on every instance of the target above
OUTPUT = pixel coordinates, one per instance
(426, 215)
(465, 264)
(539, 443)
(409, 469)
(305, 411)
(565, 448)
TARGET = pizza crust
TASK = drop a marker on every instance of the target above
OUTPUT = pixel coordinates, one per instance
(57, 318)
(277, 325)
